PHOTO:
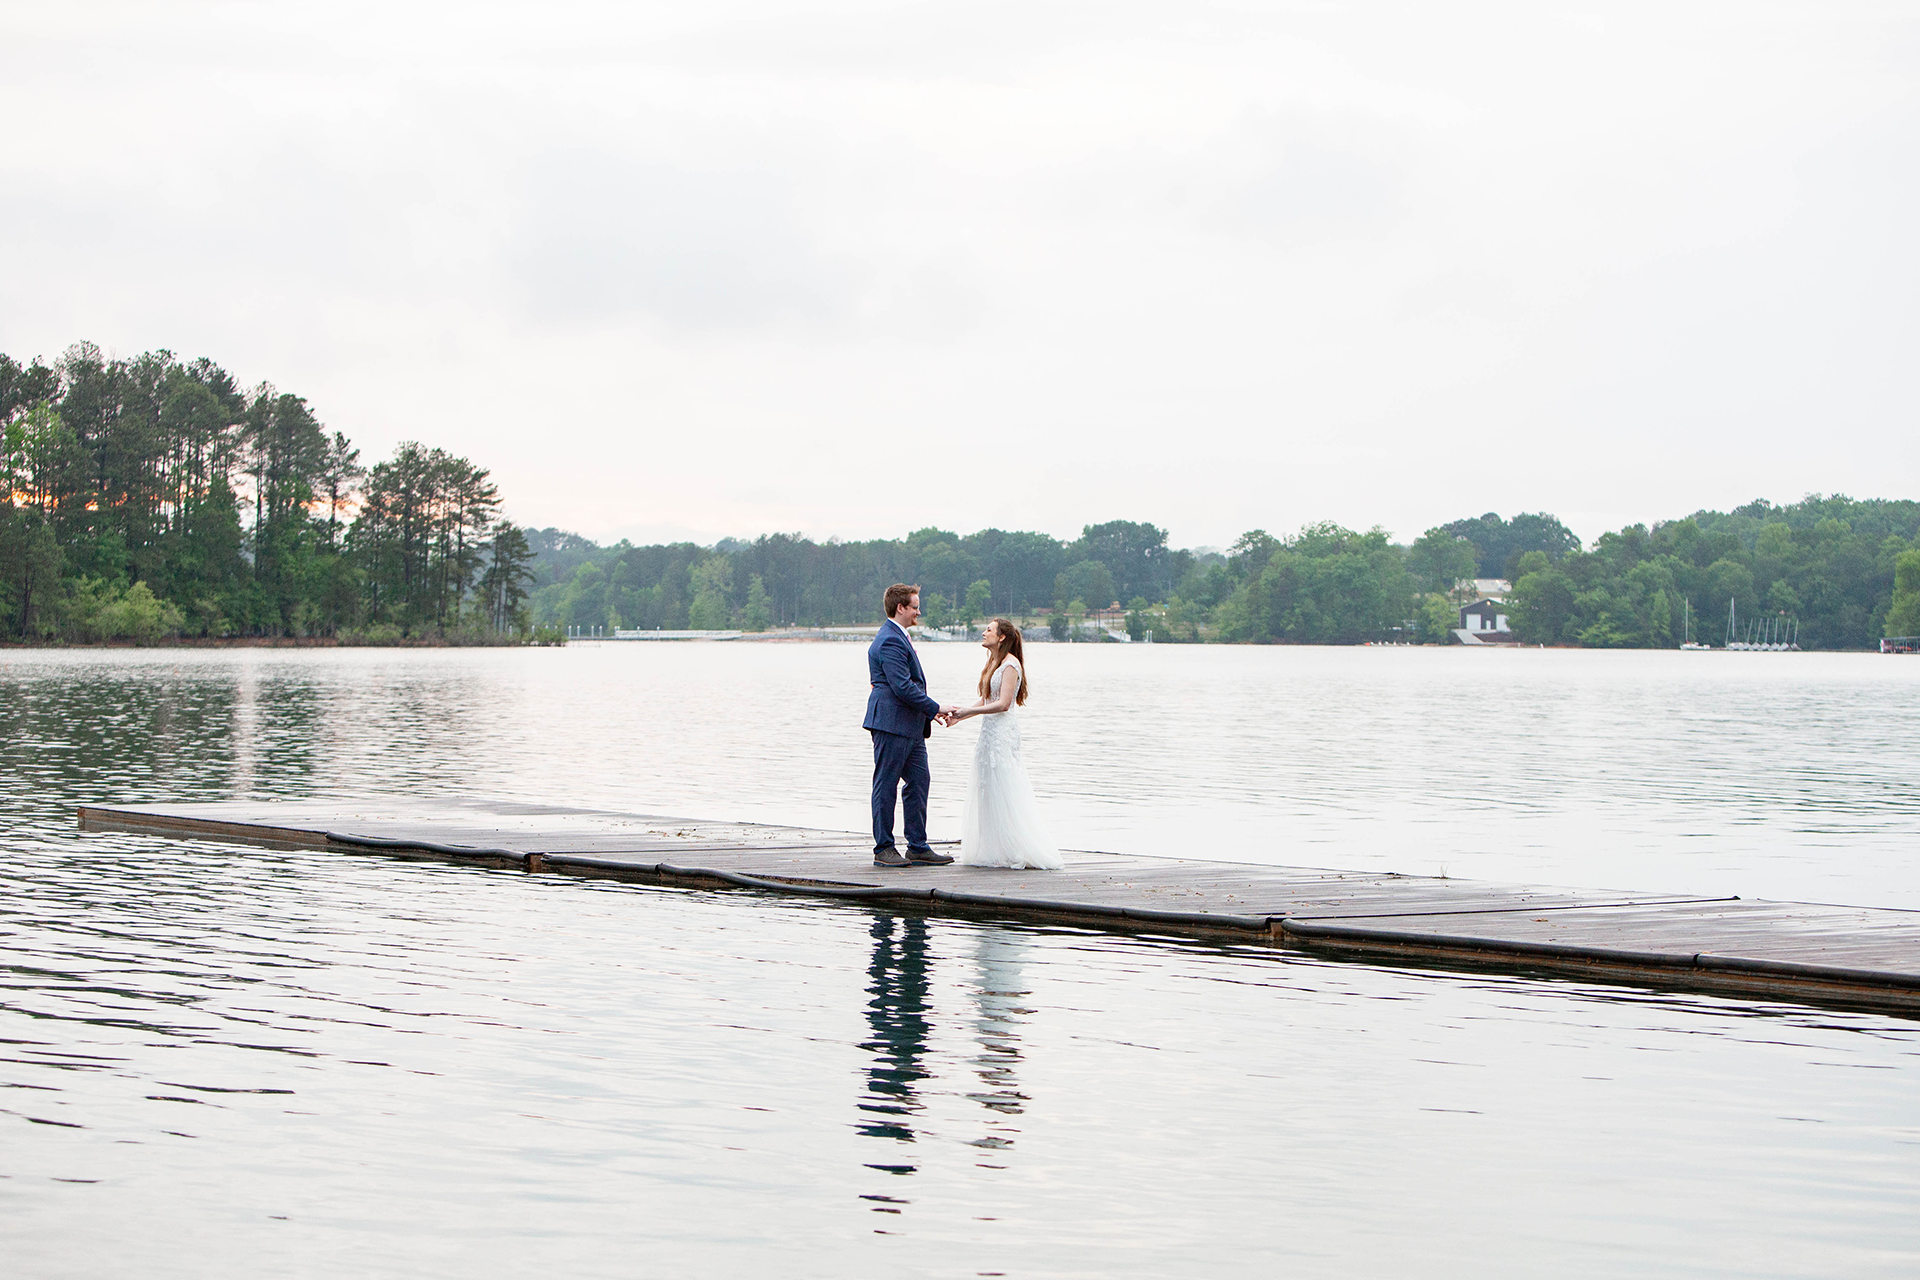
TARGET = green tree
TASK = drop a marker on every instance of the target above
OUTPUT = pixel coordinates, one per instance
(1903, 617)
(940, 564)
(285, 455)
(1076, 612)
(712, 584)
(1136, 555)
(584, 599)
(30, 565)
(138, 616)
(1022, 565)
(420, 536)
(1498, 544)
(503, 587)
(1325, 585)
(1089, 581)
(759, 611)
(1729, 582)
(340, 471)
(1438, 559)
(1437, 618)
(24, 385)
(44, 468)
(979, 600)
(48, 467)
(1541, 607)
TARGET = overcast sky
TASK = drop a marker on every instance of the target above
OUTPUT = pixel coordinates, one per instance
(692, 270)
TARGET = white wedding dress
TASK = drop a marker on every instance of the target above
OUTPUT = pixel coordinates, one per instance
(1001, 824)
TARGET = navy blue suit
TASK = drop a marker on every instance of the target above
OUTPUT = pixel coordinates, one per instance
(900, 716)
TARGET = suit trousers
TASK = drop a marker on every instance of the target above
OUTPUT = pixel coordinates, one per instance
(899, 759)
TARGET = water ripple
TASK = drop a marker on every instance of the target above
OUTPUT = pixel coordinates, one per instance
(220, 1060)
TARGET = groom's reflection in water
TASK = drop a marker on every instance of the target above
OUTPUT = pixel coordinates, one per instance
(897, 1018)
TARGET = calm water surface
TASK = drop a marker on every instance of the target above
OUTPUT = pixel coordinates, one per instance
(224, 1061)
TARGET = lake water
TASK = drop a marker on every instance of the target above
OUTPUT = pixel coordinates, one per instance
(230, 1061)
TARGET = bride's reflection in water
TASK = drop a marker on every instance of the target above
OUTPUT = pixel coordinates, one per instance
(1000, 1003)
(897, 1018)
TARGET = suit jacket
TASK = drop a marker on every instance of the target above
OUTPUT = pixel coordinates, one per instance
(898, 701)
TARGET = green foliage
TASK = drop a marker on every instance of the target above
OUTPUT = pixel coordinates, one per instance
(945, 567)
(1827, 562)
(420, 536)
(97, 610)
(149, 497)
(1903, 615)
(1541, 607)
(31, 563)
(503, 587)
(759, 611)
(1326, 585)
(807, 583)
(712, 582)
(378, 634)
(1436, 617)
(1438, 559)
(1135, 555)
(1498, 544)
(979, 600)
(1088, 581)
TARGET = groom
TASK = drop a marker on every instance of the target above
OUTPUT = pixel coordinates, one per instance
(900, 715)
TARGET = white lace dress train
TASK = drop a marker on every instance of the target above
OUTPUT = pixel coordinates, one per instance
(1001, 825)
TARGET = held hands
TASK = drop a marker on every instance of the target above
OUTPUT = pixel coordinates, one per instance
(950, 716)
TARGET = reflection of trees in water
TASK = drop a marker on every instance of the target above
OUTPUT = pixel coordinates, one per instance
(200, 730)
(999, 996)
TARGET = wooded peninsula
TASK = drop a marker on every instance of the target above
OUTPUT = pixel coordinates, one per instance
(151, 499)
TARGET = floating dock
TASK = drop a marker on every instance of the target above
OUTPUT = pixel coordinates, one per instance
(1866, 956)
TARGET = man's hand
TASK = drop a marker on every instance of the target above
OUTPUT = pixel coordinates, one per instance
(948, 716)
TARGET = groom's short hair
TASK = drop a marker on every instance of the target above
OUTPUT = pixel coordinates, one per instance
(898, 594)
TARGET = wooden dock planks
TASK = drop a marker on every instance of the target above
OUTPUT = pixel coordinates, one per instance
(1857, 955)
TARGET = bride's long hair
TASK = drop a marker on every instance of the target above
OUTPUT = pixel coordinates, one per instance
(1009, 647)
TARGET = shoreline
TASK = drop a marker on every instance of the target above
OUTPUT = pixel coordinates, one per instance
(272, 642)
(800, 636)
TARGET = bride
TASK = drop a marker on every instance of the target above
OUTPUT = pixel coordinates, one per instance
(1001, 826)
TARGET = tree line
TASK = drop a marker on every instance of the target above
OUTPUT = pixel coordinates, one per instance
(151, 496)
(787, 580)
(1828, 562)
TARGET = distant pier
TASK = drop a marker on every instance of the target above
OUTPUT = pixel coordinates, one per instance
(1866, 956)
